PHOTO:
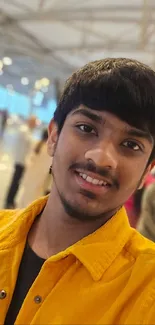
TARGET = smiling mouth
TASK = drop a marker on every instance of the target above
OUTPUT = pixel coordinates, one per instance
(93, 181)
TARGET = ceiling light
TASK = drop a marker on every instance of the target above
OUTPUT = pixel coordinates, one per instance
(38, 85)
(45, 82)
(7, 61)
(24, 81)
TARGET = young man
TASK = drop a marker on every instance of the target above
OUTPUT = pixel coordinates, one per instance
(72, 258)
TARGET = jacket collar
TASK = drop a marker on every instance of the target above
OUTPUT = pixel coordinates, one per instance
(96, 252)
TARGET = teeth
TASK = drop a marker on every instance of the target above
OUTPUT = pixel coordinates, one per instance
(83, 175)
(89, 179)
(93, 180)
(96, 182)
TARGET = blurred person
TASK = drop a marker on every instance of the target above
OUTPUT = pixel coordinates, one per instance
(24, 142)
(153, 171)
(133, 204)
(4, 118)
(72, 257)
(35, 174)
(146, 224)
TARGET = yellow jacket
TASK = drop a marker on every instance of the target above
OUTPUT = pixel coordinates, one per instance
(106, 278)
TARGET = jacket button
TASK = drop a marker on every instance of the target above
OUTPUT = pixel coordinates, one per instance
(2, 294)
(37, 299)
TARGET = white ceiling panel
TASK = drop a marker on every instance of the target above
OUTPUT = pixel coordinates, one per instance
(52, 38)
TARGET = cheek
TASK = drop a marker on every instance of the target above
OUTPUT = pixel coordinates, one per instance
(66, 151)
(131, 174)
(69, 147)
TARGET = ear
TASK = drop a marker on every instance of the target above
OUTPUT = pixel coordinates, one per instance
(52, 138)
(147, 171)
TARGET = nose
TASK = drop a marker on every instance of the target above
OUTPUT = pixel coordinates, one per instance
(104, 155)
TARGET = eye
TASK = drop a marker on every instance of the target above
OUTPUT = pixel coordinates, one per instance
(85, 128)
(131, 145)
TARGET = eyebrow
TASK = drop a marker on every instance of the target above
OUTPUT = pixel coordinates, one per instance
(140, 134)
(132, 132)
(90, 115)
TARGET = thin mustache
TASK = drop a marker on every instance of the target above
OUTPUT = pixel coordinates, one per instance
(97, 170)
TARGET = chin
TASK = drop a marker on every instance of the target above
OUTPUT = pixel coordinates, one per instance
(81, 210)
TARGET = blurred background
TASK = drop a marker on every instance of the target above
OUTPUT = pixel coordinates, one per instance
(41, 43)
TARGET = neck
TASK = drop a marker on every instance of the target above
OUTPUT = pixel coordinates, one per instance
(54, 231)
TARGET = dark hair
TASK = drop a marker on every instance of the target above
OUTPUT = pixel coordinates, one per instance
(121, 86)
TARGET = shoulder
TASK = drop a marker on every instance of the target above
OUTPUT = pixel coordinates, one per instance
(7, 217)
(9, 220)
(141, 248)
(142, 276)
(7, 214)
(15, 224)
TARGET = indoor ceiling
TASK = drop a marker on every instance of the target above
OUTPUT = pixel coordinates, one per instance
(52, 38)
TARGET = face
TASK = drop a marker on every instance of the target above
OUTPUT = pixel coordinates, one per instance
(98, 162)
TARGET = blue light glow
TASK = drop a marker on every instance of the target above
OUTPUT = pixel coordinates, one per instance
(19, 104)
